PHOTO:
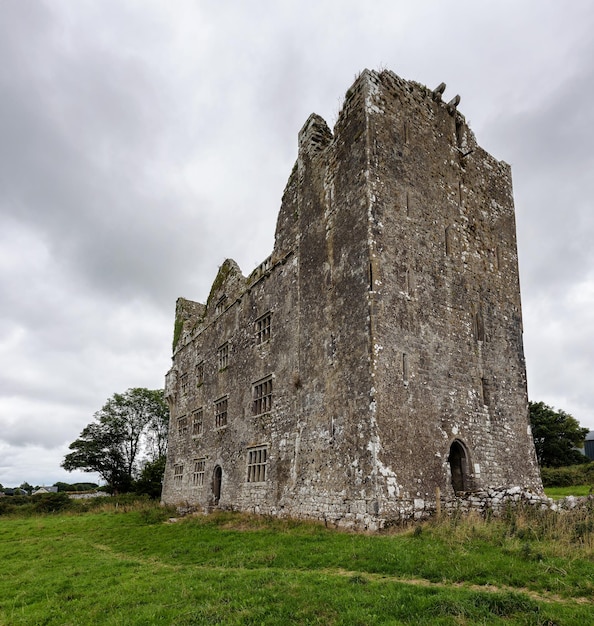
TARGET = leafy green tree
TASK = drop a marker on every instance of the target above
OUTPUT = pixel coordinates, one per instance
(75, 486)
(150, 481)
(556, 436)
(127, 432)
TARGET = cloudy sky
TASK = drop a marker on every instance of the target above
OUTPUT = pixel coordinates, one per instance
(142, 142)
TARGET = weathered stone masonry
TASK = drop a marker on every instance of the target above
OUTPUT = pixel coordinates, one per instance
(374, 361)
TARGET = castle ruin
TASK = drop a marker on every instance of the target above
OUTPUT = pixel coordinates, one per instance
(372, 367)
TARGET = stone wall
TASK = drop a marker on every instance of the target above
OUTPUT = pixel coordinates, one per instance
(375, 358)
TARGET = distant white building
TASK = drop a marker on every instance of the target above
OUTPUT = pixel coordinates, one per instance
(41, 490)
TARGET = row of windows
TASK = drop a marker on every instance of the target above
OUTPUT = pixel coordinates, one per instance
(257, 462)
(262, 334)
(261, 403)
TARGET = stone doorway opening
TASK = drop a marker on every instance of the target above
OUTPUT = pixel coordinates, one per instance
(458, 459)
(217, 479)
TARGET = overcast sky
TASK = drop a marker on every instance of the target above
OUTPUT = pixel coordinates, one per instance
(143, 142)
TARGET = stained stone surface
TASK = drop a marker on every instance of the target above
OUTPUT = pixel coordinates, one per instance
(374, 362)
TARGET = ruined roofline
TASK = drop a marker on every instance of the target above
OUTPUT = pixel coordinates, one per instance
(315, 134)
(369, 89)
(193, 318)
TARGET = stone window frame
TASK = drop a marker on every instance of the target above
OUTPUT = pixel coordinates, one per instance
(478, 325)
(262, 396)
(263, 328)
(184, 381)
(182, 425)
(198, 422)
(448, 240)
(220, 305)
(199, 373)
(178, 474)
(223, 356)
(257, 464)
(199, 472)
(221, 407)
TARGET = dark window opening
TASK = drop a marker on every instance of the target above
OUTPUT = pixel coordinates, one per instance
(178, 475)
(405, 368)
(479, 326)
(184, 384)
(182, 425)
(217, 481)
(200, 374)
(197, 422)
(262, 396)
(459, 467)
(263, 329)
(223, 357)
(221, 304)
(485, 390)
(221, 413)
(257, 460)
(198, 476)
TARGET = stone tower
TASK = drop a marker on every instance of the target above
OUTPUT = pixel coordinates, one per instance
(374, 362)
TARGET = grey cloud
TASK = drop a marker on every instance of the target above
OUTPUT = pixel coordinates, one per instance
(141, 147)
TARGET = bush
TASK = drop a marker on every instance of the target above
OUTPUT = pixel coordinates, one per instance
(51, 502)
(568, 476)
(33, 505)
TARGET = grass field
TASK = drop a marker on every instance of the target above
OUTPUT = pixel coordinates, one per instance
(126, 565)
(562, 492)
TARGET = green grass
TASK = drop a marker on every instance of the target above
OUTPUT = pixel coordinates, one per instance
(125, 566)
(562, 492)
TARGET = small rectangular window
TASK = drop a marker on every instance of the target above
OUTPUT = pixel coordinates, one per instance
(221, 412)
(263, 328)
(262, 396)
(200, 374)
(197, 422)
(410, 282)
(479, 326)
(485, 390)
(256, 468)
(198, 475)
(221, 305)
(184, 384)
(223, 357)
(448, 240)
(182, 425)
(178, 475)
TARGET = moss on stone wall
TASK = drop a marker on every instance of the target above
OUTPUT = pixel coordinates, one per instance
(220, 279)
(177, 331)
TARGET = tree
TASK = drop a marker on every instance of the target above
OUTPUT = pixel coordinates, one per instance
(556, 436)
(129, 430)
(150, 481)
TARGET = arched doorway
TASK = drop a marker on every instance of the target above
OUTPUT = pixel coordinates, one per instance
(458, 460)
(217, 479)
